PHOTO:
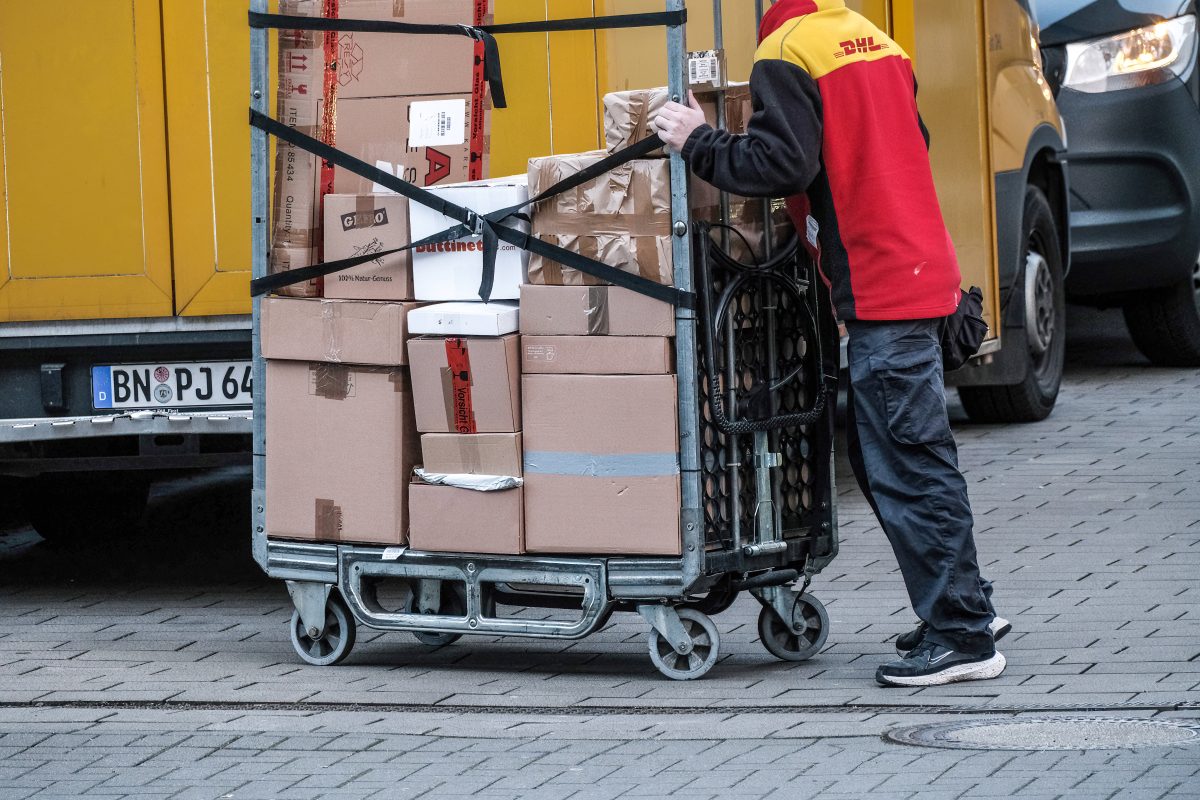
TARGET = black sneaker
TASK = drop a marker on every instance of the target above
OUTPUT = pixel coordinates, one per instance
(907, 642)
(933, 665)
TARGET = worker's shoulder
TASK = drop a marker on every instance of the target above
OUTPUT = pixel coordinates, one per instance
(825, 41)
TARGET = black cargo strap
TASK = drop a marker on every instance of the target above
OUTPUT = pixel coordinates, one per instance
(488, 226)
(481, 33)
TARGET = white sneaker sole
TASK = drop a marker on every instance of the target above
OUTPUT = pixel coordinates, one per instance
(978, 671)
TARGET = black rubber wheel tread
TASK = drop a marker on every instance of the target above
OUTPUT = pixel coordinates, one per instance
(69, 508)
(1028, 401)
(1165, 325)
(785, 644)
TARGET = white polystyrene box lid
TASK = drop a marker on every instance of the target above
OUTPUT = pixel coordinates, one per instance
(465, 319)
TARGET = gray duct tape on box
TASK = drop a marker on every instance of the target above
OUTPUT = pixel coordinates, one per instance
(598, 465)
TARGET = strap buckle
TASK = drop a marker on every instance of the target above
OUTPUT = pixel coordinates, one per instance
(475, 223)
(471, 32)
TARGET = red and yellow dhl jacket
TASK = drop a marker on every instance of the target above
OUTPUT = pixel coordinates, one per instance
(835, 129)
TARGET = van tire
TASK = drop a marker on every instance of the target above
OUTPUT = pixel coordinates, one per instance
(68, 508)
(1165, 325)
(1032, 399)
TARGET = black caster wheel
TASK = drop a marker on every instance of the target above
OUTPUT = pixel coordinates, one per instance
(718, 600)
(453, 604)
(705, 647)
(804, 639)
(334, 644)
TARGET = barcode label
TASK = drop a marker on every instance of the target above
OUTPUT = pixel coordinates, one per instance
(437, 123)
(704, 68)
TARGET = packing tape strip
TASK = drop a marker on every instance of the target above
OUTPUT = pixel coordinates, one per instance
(601, 465)
(460, 412)
(597, 311)
(327, 519)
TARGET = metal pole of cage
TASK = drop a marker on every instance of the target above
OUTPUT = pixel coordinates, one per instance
(260, 176)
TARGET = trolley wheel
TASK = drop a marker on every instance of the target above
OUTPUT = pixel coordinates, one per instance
(786, 642)
(704, 652)
(331, 646)
(454, 604)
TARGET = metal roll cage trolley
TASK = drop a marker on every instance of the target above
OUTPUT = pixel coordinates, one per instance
(755, 424)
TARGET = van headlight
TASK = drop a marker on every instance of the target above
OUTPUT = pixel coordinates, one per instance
(1141, 57)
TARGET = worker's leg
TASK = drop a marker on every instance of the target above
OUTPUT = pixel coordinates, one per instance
(910, 464)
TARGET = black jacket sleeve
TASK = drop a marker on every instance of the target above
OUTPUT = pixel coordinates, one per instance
(780, 153)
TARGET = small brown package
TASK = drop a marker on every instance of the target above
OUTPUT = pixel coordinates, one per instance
(628, 114)
(446, 519)
(601, 464)
(337, 331)
(463, 385)
(622, 219)
(593, 311)
(595, 355)
(472, 453)
(368, 223)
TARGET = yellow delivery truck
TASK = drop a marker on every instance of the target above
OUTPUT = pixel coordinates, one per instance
(125, 224)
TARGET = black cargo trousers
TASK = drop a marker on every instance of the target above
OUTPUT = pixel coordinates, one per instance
(906, 462)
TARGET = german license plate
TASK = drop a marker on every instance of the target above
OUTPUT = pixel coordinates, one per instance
(187, 385)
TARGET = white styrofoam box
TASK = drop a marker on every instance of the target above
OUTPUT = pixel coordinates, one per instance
(452, 271)
(464, 319)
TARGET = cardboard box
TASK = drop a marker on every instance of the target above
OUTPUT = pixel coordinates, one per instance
(387, 65)
(446, 519)
(622, 219)
(466, 385)
(472, 453)
(337, 331)
(368, 223)
(341, 445)
(426, 140)
(452, 270)
(593, 311)
(628, 114)
(596, 355)
(465, 319)
(745, 216)
(601, 464)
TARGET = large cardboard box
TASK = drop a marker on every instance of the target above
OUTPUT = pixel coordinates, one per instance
(466, 385)
(601, 464)
(472, 453)
(595, 355)
(452, 270)
(425, 140)
(387, 65)
(593, 311)
(361, 224)
(337, 331)
(622, 219)
(628, 114)
(341, 445)
(446, 519)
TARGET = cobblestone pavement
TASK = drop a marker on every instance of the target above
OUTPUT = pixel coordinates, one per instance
(160, 667)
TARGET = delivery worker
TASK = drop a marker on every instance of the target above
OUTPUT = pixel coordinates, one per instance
(835, 129)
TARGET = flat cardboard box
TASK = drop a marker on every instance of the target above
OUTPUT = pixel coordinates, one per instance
(628, 114)
(360, 224)
(341, 445)
(622, 218)
(601, 464)
(426, 140)
(472, 453)
(465, 319)
(452, 270)
(480, 392)
(595, 355)
(593, 311)
(385, 65)
(446, 519)
(337, 331)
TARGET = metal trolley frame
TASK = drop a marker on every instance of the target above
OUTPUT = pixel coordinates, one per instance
(729, 482)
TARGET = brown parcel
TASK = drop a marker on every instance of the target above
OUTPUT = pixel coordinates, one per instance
(627, 114)
(380, 65)
(622, 219)
(601, 464)
(368, 223)
(482, 396)
(341, 445)
(472, 453)
(378, 131)
(446, 519)
(745, 217)
(338, 331)
(596, 355)
(593, 311)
